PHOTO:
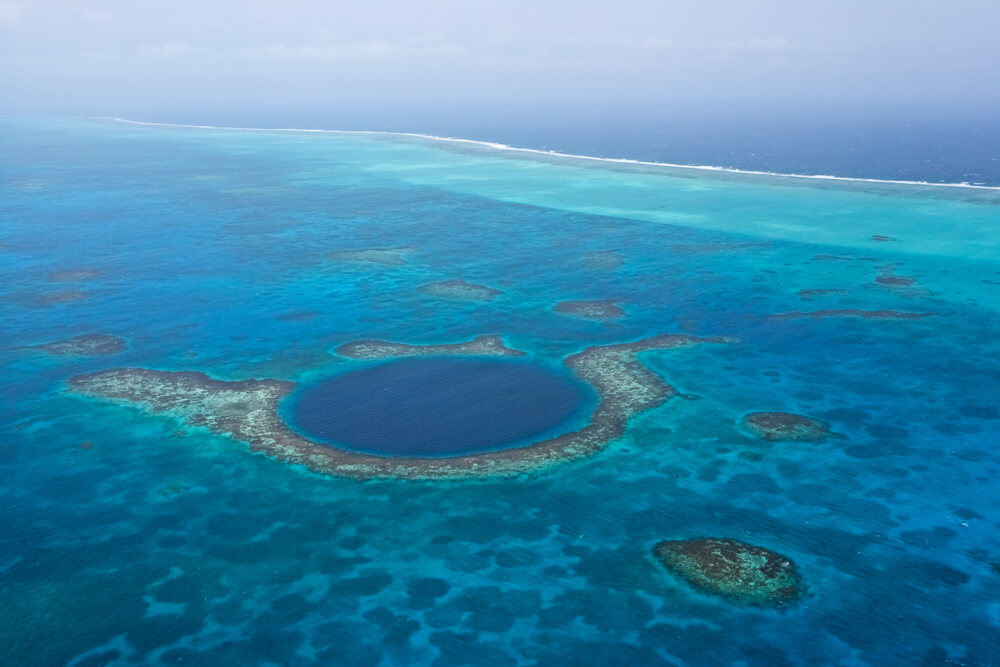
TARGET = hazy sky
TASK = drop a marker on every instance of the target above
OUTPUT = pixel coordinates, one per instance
(133, 56)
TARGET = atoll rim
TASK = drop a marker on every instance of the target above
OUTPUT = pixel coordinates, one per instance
(853, 312)
(248, 410)
(786, 426)
(86, 345)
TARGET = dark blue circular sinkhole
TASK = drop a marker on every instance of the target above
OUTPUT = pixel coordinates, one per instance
(438, 406)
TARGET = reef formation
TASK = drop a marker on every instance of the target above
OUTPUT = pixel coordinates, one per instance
(739, 572)
(706, 248)
(810, 293)
(383, 256)
(73, 275)
(247, 410)
(603, 260)
(460, 290)
(786, 426)
(853, 312)
(489, 345)
(591, 310)
(87, 345)
(55, 298)
(895, 281)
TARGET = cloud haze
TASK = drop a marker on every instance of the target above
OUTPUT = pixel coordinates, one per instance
(134, 56)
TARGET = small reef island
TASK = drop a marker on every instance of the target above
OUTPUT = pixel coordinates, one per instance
(248, 410)
(741, 573)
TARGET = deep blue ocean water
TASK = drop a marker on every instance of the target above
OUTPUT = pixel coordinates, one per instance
(439, 406)
(133, 538)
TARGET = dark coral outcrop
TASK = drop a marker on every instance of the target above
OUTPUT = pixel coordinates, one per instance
(853, 312)
(785, 426)
(460, 290)
(739, 572)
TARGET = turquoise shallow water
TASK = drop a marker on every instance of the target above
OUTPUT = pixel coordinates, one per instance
(209, 250)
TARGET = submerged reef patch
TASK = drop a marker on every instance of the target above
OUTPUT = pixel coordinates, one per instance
(248, 410)
(739, 572)
(73, 275)
(786, 426)
(853, 312)
(168, 490)
(706, 248)
(810, 293)
(46, 299)
(459, 290)
(383, 256)
(87, 345)
(843, 258)
(63, 297)
(298, 316)
(888, 278)
(604, 309)
(603, 260)
(489, 345)
(895, 281)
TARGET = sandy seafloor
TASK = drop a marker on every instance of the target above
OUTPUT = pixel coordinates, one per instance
(208, 250)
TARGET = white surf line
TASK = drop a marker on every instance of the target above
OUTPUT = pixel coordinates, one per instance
(538, 151)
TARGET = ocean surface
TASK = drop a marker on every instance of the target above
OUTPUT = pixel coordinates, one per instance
(135, 537)
(940, 144)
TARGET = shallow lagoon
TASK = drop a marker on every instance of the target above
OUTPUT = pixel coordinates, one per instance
(135, 537)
